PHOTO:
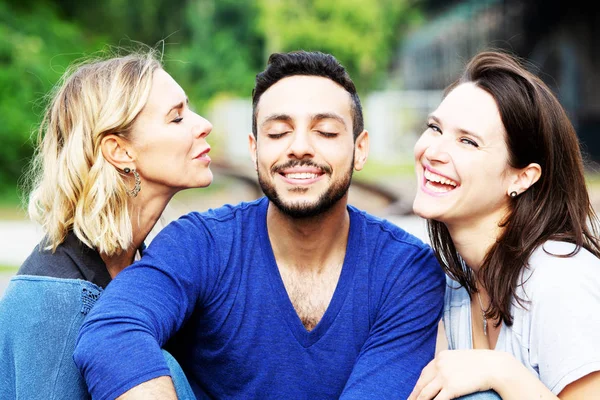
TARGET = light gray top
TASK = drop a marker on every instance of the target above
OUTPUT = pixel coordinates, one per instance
(557, 335)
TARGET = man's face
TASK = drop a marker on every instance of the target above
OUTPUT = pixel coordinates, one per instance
(304, 151)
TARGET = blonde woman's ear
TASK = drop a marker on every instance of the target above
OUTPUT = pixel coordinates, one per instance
(116, 151)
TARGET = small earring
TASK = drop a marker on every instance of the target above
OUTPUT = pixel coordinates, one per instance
(513, 194)
(137, 185)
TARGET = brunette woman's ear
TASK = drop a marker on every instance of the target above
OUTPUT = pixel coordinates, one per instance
(524, 179)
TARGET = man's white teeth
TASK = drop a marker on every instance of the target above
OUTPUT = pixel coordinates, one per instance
(430, 176)
(301, 175)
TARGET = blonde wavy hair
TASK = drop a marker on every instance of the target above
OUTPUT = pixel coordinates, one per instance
(72, 186)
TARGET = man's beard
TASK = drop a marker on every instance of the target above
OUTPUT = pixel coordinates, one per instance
(307, 209)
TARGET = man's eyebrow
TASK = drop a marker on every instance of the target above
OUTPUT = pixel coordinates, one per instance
(461, 130)
(336, 117)
(276, 117)
(315, 118)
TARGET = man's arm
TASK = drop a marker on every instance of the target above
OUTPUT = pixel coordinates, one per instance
(403, 336)
(119, 344)
(155, 389)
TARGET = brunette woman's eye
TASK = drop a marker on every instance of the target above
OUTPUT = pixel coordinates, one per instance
(434, 127)
(469, 142)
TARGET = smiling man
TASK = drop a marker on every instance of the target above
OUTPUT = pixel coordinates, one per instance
(294, 295)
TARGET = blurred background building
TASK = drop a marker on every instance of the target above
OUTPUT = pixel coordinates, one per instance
(560, 39)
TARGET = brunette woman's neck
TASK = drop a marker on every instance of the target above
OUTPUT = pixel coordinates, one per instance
(473, 238)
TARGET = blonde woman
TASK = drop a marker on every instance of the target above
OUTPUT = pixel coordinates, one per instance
(117, 141)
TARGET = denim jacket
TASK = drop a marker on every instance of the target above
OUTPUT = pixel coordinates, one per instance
(39, 321)
(41, 312)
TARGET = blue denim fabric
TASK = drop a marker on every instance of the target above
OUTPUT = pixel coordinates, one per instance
(40, 318)
(487, 395)
(39, 321)
(182, 386)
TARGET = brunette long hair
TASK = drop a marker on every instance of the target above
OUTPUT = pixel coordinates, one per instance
(556, 207)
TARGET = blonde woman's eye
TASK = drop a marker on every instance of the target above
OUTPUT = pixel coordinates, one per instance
(177, 120)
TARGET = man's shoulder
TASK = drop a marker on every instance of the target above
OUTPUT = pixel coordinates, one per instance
(229, 212)
(384, 229)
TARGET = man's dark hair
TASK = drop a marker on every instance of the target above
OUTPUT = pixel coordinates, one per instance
(314, 63)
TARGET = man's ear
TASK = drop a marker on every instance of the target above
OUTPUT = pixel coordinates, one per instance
(361, 150)
(117, 152)
(252, 149)
(525, 178)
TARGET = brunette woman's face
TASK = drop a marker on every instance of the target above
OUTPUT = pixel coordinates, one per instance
(461, 160)
(169, 140)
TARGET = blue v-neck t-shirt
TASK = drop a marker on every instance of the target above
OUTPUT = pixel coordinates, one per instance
(209, 285)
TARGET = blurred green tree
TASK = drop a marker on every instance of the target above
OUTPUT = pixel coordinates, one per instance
(214, 48)
(361, 34)
(36, 46)
(221, 52)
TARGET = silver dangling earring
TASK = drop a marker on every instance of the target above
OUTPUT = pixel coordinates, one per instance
(137, 185)
(513, 194)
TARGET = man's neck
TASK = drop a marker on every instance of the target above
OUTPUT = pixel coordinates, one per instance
(309, 243)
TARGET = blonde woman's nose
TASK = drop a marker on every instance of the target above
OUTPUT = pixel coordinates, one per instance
(203, 127)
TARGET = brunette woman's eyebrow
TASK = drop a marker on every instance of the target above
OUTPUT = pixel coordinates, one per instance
(462, 131)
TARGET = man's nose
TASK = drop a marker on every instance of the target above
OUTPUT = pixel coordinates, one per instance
(301, 145)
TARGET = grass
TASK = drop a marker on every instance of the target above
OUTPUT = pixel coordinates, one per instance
(377, 171)
(593, 180)
(10, 204)
(8, 269)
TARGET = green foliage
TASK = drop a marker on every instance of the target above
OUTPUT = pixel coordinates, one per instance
(147, 21)
(35, 48)
(222, 53)
(360, 34)
(213, 48)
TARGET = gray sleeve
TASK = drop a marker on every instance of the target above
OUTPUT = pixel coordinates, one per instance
(565, 319)
(457, 316)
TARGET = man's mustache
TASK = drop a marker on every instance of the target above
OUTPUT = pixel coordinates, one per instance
(300, 163)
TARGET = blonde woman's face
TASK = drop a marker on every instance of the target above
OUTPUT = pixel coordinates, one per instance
(169, 141)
